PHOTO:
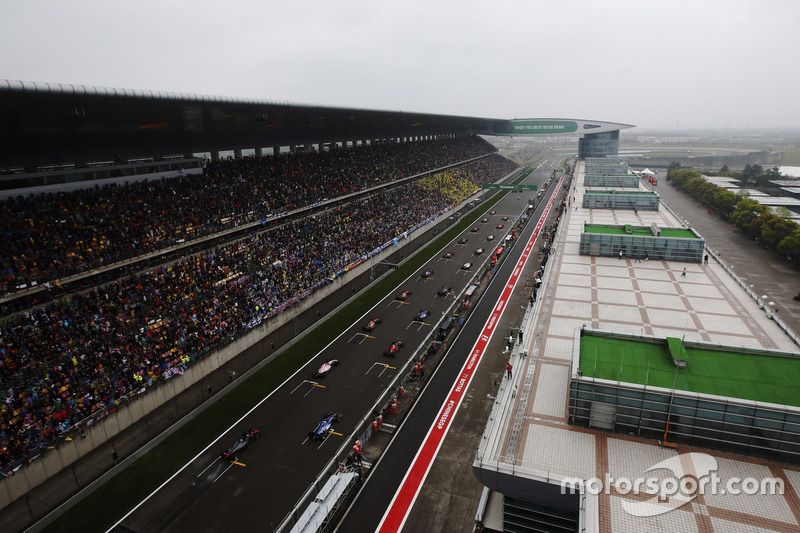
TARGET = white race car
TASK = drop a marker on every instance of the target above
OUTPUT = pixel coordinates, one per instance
(326, 367)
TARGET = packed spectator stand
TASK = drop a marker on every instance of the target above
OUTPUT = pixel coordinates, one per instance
(85, 351)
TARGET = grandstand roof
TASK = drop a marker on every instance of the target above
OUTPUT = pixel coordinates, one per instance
(47, 123)
(50, 123)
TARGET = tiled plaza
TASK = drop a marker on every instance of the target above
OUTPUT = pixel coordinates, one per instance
(637, 297)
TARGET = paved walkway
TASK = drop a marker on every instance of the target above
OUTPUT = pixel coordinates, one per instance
(761, 268)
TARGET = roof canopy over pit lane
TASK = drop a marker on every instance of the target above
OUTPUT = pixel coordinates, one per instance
(50, 123)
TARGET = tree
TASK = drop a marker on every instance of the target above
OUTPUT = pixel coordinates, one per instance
(725, 201)
(747, 212)
(751, 174)
(770, 174)
(723, 171)
(790, 246)
(762, 220)
(705, 193)
(775, 229)
(672, 168)
(681, 176)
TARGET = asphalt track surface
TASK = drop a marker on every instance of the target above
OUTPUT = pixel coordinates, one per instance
(379, 491)
(255, 492)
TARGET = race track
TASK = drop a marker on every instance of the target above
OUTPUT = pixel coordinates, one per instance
(257, 491)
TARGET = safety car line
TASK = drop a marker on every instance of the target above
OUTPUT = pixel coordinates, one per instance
(395, 516)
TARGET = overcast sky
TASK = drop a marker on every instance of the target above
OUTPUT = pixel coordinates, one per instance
(656, 64)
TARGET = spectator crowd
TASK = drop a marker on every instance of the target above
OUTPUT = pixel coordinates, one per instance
(62, 361)
(53, 235)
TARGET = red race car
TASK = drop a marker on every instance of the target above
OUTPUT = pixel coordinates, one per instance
(371, 324)
(394, 348)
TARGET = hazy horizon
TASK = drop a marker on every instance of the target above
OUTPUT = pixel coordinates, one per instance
(659, 65)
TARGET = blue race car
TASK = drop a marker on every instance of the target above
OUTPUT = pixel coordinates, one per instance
(324, 427)
(422, 315)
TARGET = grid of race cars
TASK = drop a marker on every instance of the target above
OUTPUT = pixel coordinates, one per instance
(325, 426)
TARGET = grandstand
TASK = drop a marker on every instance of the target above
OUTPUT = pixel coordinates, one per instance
(137, 331)
(129, 262)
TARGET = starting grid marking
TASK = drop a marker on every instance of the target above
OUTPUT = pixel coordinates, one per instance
(417, 323)
(397, 512)
(313, 386)
(322, 442)
(361, 337)
(384, 369)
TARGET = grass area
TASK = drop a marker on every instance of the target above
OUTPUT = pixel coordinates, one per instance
(618, 230)
(680, 233)
(762, 378)
(98, 511)
(622, 193)
(641, 231)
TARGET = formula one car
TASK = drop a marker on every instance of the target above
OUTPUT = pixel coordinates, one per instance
(394, 348)
(463, 241)
(466, 266)
(427, 274)
(444, 291)
(422, 315)
(479, 251)
(484, 220)
(324, 426)
(475, 229)
(490, 237)
(371, 324)
(499, 226)
(492, 212)
(448, 255)
(232, 453)
(504, 219)
(402, 296)
(326, 367)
